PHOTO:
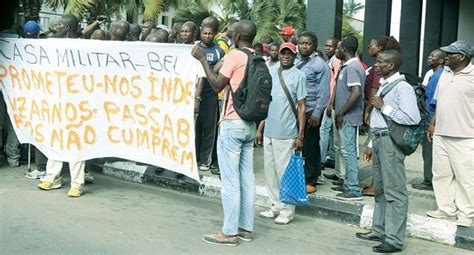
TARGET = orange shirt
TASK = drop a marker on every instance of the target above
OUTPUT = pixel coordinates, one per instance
(234, 69)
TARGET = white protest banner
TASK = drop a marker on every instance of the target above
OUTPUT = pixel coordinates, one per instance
(82, 99)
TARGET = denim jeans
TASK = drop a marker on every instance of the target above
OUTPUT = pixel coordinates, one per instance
(346, 150)
(327, 139)
(235, 154)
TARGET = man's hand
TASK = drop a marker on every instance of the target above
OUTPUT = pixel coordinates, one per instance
(197, 102)
(329, 112)
(297, 144)
(368, 154)
(198, 54)
(430, 132)
(339, 120)
(377, 102)
(314, 121)
(259, 138)
(366, 118)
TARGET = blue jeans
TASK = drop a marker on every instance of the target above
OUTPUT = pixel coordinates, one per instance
(235, 155)
(326, 141)
(346, 148)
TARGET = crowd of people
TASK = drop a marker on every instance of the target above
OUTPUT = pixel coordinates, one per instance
(319, 102)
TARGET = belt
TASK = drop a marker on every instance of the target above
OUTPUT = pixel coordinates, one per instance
(380, 132)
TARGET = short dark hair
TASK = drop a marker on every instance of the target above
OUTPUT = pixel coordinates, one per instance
(350, 44)
(72, 21)
(310, 35)
(393, 56)
(387, 43)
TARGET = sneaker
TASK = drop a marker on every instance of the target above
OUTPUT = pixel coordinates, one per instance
(463, 221)
(333, 177)
(49, 185)
(422, 186)
(337, 189)
(321, 180)
(339, 182)
(330, 163)
(438, 214)
(203, 167)
(245, 235)
(13, 162)
(215, 171)
(221, 239)
(349, 196)
(269, 214)
(88, 178)
(283, 220)
(74, 192)
(35, 174)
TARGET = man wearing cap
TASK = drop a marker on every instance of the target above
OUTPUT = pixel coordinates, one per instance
(280, 131)
(31, 29)
(452, 133)
(287, 32)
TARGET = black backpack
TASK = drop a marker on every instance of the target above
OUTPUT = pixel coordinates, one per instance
(420, 92)
(253, 97)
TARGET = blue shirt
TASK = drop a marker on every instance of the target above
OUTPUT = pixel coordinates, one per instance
(318, 76)
(213, 54)
(281, 121)
(430, 92)
(399, 104)
(351, 74)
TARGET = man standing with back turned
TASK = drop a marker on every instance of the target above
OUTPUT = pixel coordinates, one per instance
(391, 196)
(235, 143)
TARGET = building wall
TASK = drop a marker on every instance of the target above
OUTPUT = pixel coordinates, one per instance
(466, 21)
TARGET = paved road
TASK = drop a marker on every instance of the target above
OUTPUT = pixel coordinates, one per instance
(118, 217)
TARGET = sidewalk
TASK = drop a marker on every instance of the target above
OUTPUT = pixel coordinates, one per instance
(323, 203)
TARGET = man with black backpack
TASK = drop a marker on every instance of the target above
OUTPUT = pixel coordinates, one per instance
(398, 106)
(248, 84)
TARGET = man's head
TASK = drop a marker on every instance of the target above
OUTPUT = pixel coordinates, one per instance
(244, 33)
(287, 32)
(163, 35)
(267, 39)
(67, 27)
(146, 28)
(458, 54)
(207, 34)
(287, 54)
(347, 48)
(98, 34)
(274, 50)
(119, 34)
(307, 43)
(175, 32)
(188, 32)
(258, 47)
(134, 33)
(436, 58)
(388, 63)
(31, 29)
(212, 22)
(330, 47)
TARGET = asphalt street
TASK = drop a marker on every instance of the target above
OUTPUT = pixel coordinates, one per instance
(119, 217)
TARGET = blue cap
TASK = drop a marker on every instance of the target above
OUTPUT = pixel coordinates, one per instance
(31, 28)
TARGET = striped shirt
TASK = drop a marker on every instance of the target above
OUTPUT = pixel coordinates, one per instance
(399, 104)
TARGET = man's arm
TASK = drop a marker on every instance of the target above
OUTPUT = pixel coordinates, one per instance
(431, 128)
(298, 144)
(406, 112)
(217, 81)
(322, 95)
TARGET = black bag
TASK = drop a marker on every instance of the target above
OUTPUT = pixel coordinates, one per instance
(407, 137)
(253, 97)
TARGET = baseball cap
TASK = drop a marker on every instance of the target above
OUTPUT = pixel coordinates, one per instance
(287, 31)
(31, 28)
(460, 46)
(288, 45)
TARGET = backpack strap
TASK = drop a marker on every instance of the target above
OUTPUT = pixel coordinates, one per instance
(303, 63)
(384, 92)
(287, 93)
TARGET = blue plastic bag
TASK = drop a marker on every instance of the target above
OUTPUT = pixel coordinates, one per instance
(293, 184)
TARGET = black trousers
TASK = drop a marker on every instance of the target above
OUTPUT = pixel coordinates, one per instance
(206, 125)
(427, 154)
(312, 154)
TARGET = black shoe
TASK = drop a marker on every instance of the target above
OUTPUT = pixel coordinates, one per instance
(331, 177)
(385, 248)
(215, 171)
(339, 182)
(337, 189)
(330, 163)
(369, 236)
(422, 186)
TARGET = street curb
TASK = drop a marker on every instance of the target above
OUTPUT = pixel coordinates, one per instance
(352, 213)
